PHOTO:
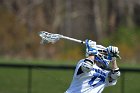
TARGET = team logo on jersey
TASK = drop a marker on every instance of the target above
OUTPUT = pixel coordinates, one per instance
(99, 77)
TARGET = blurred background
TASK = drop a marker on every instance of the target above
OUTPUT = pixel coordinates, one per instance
(108, 22)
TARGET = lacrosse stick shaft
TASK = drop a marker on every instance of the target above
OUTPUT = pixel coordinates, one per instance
(73, 39)
(80, 41)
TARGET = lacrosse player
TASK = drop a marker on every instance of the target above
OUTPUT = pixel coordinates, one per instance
(93, 73)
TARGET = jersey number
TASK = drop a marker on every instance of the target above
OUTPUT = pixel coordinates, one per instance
(101, 77)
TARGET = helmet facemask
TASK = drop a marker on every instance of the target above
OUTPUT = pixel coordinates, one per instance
(103, 60)
(99, 51)
(101, 55)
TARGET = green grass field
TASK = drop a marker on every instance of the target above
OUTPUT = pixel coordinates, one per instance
(43, 81)
(14, 80)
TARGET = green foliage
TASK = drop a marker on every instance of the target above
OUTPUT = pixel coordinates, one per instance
(127, 40)
(70, 50)
(20, 22)
(12, 34)
(127, 36)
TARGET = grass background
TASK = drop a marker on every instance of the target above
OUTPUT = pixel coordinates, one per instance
(14, 80)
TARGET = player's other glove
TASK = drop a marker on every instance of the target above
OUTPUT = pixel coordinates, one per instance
(113, 51)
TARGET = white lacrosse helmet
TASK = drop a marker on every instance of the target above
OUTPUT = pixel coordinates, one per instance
(99, 51)
(92, 48)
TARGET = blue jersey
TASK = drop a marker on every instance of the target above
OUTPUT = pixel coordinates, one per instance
(93, 81)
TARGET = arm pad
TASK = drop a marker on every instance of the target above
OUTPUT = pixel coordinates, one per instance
(115, 74)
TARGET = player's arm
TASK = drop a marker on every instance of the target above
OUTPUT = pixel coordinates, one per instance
(114, 74)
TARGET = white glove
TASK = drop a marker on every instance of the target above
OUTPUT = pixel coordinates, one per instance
(91, 43)
(90, 47)
(113, 51)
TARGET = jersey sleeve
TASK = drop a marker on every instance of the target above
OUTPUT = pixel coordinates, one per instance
(84, 66)
(109, 80)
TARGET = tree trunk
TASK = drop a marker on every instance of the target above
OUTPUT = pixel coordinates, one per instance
(98, 21)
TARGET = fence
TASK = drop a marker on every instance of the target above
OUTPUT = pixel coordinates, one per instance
(31, 66)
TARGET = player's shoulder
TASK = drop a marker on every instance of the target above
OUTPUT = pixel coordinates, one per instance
(84, 59)
(81, 60)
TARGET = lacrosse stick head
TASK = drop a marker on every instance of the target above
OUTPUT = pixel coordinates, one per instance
(47, 37)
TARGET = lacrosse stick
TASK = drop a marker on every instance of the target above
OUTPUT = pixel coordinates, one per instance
(52, 38)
